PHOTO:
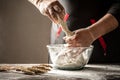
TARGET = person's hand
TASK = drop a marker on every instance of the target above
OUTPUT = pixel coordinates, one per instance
(53, 10)
(81, 38)
(50, 8)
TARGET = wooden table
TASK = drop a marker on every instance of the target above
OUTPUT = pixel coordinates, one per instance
(90, 72)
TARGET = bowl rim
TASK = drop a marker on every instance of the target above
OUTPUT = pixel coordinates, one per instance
(52, 46)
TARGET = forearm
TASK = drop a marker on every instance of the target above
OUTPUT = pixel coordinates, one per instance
(103, 26)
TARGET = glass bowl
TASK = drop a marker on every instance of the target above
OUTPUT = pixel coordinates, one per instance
(64, 57)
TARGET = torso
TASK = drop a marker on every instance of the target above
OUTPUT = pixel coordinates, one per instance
(81, 11)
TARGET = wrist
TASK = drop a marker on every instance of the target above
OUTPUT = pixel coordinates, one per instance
(93, 33)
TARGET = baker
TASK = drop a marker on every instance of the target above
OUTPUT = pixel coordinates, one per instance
(94, 22)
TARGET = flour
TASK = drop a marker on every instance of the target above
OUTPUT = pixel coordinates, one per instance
(70, 57)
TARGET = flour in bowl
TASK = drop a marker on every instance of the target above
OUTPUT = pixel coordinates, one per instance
(71, 57)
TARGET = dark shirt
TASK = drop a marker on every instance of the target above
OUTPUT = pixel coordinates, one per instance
(82, 11)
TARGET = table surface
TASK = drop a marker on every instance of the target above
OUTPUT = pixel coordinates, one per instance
(89, 72)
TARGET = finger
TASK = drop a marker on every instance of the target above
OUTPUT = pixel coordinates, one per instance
(52, 15)
(64, 38)
(57, 9)
(72, 42)
(48, 14)
(61, 15)
(71, 45)
(60, 12)
(69, 40)
(68, 45)
(38, 1)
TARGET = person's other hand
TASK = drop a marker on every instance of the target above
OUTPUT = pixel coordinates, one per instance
(50, 8)
(81, 38)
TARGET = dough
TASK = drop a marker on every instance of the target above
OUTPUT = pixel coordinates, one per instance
(70, 57)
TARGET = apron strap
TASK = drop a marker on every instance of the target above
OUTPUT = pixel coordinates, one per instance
(101, 39)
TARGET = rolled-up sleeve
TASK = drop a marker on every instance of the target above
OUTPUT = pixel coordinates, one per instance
(115, 10)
